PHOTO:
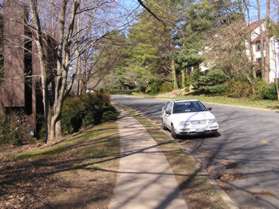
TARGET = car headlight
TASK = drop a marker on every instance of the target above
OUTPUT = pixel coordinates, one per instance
(212, 121)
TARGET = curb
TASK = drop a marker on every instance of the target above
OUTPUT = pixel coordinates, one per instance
(243, 107)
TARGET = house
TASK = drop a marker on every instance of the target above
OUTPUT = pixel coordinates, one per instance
(257, 31)
(258, 35)
(20, 85)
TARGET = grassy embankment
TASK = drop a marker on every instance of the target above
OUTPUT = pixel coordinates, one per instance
(245, 102)
(76, 172)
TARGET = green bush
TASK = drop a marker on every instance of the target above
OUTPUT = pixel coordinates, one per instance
(239, 88)
(89, 109)
(211, 82)
(166, 87)
(12, 131)
(153, 87)
(110, 113)
(72, 114)
(266, 91)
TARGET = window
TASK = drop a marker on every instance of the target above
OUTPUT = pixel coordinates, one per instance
(165, 106)
(258, 46)
(184, 107)
(259, 61)
(168, 108)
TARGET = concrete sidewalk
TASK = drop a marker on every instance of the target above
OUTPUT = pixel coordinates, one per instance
(145, 179)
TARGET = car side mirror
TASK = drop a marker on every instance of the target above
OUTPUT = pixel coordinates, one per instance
(209, 109)
(168, 112)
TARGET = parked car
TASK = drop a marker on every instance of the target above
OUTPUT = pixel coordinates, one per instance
(186, 117)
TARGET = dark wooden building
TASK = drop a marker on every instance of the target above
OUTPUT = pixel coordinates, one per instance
(20, 86)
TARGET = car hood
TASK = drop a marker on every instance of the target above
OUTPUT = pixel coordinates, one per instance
(192, 116)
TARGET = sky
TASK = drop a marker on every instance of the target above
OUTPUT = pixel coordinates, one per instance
(253, 7)
(129, 3)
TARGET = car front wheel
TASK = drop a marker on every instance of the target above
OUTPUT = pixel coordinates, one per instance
(163, 125)
(173, 133)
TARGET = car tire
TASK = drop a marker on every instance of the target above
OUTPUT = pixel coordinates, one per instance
(163, 125)
(215, 133)
(173, 133)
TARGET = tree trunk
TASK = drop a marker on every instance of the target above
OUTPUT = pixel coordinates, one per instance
(259, 14)
(174, 78)
(183, 79)
(55, 130)
(62, 70)
(252, 57)
(267, 43)
(78, 61)
(78, 70)
(42, 60)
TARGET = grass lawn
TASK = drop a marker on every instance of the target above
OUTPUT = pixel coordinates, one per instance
(247, 102)
(72, 173)
(197, 189)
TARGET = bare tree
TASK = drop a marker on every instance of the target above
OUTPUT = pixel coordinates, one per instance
(72, 39)
(227, 50)
(248, 41)
(267, 42)
(275, 47)
(42, 57)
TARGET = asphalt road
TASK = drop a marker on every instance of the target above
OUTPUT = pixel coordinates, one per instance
(248, 137)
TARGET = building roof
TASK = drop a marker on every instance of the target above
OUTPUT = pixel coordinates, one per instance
(253, 25)
(259, 37)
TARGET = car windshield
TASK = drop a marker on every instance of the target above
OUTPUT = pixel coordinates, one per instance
(185, 107)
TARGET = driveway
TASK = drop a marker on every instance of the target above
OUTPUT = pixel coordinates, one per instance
(248, 137)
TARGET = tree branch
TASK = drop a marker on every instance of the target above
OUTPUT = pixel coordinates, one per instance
(151, 12)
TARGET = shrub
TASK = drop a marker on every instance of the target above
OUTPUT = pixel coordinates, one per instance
(72, 114)
(266, 91)
(153, 87)
(166, 87)
(212, 82)
(86, 110)
(110, 113)
(239, 88)
(13, 131)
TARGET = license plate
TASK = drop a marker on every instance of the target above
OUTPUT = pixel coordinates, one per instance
(200, 130)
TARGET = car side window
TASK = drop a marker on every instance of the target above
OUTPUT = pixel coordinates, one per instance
(171, 107)
(168, 108)
(165, 106)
